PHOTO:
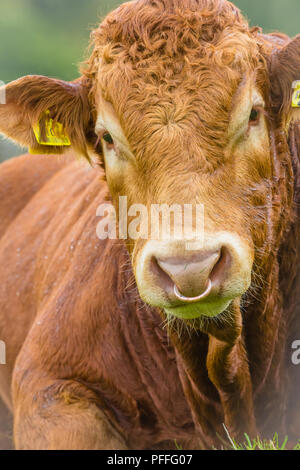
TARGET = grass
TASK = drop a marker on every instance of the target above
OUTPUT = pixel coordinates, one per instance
(254, 444)
(260, 444)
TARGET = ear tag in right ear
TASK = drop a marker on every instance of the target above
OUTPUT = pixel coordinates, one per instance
(54, 134)
(296, 94)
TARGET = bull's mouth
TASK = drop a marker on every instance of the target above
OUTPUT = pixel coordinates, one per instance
(201, 305)
(209, 308)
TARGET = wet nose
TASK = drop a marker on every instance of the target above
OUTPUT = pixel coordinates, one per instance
(191, 279)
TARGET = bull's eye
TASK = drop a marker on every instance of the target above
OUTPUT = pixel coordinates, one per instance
(254, 117)
(108, 138)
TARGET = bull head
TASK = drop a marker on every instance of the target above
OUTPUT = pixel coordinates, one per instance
(178, 112)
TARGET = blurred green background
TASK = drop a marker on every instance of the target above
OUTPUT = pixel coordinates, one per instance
(50, 37)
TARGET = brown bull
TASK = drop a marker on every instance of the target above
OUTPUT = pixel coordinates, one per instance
(179, 103)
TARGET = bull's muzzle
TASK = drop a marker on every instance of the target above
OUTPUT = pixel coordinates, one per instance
(190, 284)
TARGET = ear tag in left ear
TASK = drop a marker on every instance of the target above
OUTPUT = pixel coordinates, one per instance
(296, 94)
(54, 133)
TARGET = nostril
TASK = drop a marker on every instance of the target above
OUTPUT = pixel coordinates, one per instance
(221, 266)
(166, 283)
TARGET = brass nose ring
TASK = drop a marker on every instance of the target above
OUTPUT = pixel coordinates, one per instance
(181, 297)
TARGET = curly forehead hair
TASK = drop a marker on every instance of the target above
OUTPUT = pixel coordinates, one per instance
(150, 50)
(139, 31)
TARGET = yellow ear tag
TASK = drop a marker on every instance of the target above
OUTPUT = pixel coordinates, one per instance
(296, 94)
(55, 133)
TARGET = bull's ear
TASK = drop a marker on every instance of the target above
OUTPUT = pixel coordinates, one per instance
(284, 73)
(45, 114)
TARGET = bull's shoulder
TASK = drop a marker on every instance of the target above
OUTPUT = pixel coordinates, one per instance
(48, 239)
(21, 178)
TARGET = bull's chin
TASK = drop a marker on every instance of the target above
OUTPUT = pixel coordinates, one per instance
(200, 309)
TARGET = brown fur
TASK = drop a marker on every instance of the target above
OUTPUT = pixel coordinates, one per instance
(91, 365)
